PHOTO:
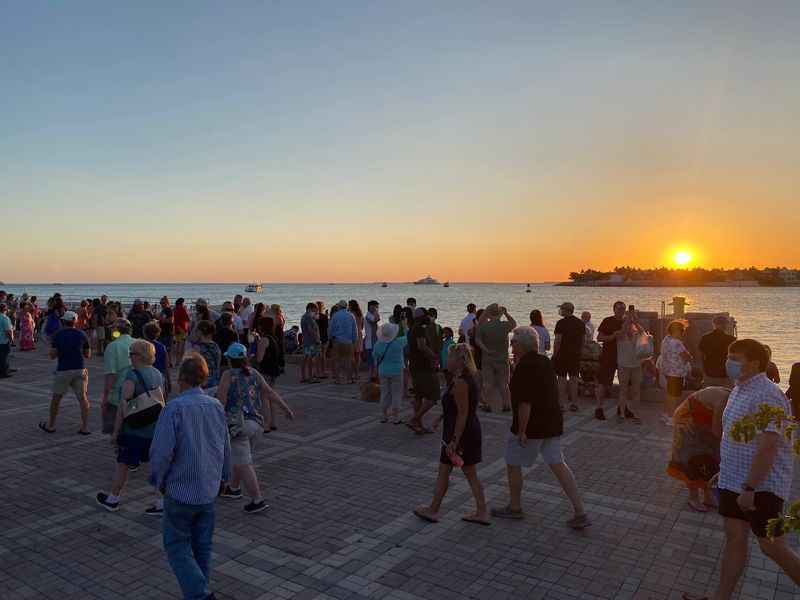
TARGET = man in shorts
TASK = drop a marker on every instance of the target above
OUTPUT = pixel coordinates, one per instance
(607, 334)
(567, 348)
(422, 364)
(492, 338)
(755, 478)
(311, 343)
(536, 427)
(71, 347)
(343, 334)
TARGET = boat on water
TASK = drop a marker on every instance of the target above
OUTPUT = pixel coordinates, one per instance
(446, 284)
(254, 288)
(528, 290)
(384, 284)
(426, 281)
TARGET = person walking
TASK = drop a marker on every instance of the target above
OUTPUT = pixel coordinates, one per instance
(492, 338)
(755, 476)
(570, 332)
(461, 437)
(343, 333)
(695, 444)
(674, 363)
(713, 349)
(607, 335)
(190, 454)
(389, 352)
(71, 348)
(536, 427)
(422, 360)
(116, 361)
(241, 390)
(133, 437)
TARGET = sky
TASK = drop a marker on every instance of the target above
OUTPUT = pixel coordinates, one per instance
(355, 141)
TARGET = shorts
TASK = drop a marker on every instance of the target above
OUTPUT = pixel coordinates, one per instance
(426, 385)
(495, 374)
(605, 374)
(343, 350)
(77, 379)
(768, 506)
(243, 445)
(674, 386)
(565, 366)
(549, 448)
(313, 350)
(133, 450)
(109, 416)
(180, 336)
(167, 340)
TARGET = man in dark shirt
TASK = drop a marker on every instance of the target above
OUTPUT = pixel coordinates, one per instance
(422, 360)
(139, 317)
(225, 334)
(608, 332)
(714, 351)
(71, 348)
(537, 427)
(567, 348)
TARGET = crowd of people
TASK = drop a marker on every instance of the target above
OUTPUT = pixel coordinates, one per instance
(199, 434)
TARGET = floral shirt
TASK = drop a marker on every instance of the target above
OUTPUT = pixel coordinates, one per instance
(672, 365)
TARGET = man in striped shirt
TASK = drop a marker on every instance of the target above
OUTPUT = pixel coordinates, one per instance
(189, 456)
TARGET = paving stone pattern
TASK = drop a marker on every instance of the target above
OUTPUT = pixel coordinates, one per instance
(341, 488)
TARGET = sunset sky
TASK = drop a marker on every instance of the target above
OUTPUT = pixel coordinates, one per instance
(362, 141)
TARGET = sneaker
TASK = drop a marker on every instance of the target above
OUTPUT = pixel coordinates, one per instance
(133, 469)
(102, 500)
(154, 511)
(599, 414)
(579, 522)
(255, 507)
(229, 492)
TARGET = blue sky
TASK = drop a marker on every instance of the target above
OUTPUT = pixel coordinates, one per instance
(300, 125)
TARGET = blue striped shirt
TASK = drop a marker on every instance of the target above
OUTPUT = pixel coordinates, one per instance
(342, 327)
(191, 449)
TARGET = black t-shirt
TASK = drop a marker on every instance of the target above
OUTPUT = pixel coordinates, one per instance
(138, 320)
(572, 331)
(609, 326)
(714, 346)
(167, 322)
(534, 382)
(99, 313)
(224, 337)
(420, 360)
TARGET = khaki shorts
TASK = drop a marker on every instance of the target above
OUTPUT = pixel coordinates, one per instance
(243, 445)
(77, 379)
(343, 350)
(495, 374)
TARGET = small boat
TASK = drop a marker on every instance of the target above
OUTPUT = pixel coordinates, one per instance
(254, 288)
(384, 284)
(446, 284)
(426, 281)
(529, 289)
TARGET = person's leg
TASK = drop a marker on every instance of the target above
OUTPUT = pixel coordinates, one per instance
(563, 393)
(780, 552)
(734, 556)
(54, 403)
(250, 482)
(573, 389)
(567, 480)
(471, 473)
(386, 395)
(120, 479)
(181, 548)
(82, 394)
(236, 478)
(5, 350)
(440, 489)
(514, 487)
(356, 365)
(624, 390)
(396, 385)
(202, 538)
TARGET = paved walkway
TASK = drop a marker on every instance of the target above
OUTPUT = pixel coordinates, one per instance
(342, 487)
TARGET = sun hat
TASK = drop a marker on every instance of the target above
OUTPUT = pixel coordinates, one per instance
(387, 332)
(236, 350)
(69, 316)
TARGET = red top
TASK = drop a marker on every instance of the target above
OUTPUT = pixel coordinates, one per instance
(181, 319)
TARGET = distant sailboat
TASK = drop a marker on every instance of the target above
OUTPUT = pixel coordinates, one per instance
(529, 289)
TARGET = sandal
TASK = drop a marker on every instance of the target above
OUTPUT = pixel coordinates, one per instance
(83, 432)
(473, 518)
(687, 596)
(422, 513)
(43, 426)
(507, 513)
(697, 506)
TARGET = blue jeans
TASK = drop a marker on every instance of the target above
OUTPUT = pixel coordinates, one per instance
(188, 530)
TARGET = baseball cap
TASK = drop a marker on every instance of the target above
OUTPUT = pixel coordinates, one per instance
(69, 316)
(236, 350)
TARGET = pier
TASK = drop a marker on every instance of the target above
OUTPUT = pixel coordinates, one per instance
(341, 488)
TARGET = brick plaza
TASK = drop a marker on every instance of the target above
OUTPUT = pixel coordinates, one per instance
(341, 488)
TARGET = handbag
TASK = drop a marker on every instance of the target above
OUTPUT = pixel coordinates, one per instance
(144, 409)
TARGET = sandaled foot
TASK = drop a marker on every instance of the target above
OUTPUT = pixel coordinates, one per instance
(697, 506)
(507, 513)
(43, 426)
(477, 519)
(687, 596)
(424, 513)
(82, 432)
(579, 522)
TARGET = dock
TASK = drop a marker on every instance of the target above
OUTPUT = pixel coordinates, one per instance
(341, 488)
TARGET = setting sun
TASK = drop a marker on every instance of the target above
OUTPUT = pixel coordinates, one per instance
(682, 258)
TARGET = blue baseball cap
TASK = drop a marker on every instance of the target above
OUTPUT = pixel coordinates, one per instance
(236, 350)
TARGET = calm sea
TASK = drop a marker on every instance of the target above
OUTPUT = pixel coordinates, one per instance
(767, 314)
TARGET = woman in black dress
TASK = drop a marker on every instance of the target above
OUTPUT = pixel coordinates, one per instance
(461, 436)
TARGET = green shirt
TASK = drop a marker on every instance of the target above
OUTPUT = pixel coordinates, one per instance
(117, 360)
(5, 329)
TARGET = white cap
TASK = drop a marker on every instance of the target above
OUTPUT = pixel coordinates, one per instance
(69, 316)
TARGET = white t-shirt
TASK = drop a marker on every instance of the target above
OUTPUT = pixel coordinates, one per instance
(244, 314)
(589, 331)
(466, 324)
(370, 330)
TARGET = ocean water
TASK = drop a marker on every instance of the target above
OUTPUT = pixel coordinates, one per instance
(771, 315)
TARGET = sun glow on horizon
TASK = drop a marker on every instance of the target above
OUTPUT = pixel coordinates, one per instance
(682, 258)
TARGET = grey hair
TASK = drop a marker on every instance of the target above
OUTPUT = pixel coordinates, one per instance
(527, 337)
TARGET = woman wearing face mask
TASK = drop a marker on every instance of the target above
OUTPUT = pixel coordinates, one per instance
(675, 361)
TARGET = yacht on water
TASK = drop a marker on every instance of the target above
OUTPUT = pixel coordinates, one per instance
(426, 281)
(255, 288)
(384, 284)
(446, 284)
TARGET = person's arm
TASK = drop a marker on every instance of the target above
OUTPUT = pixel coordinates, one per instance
(557, 343)
(226, 455)
(461, 398)
(127, 393)
(162, 449)
(511, 322)
(261, 348)
(716, 420)
(767, 449)
(273, 397)
(523, 416)
(603, 337)
(53, 350)
(478, 337)
(87, 349)
(222, 388)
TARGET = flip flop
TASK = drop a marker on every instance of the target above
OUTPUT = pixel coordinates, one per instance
(424, 516)
(43, 427)
(687, 596)
(476, 520)
(83, 432)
